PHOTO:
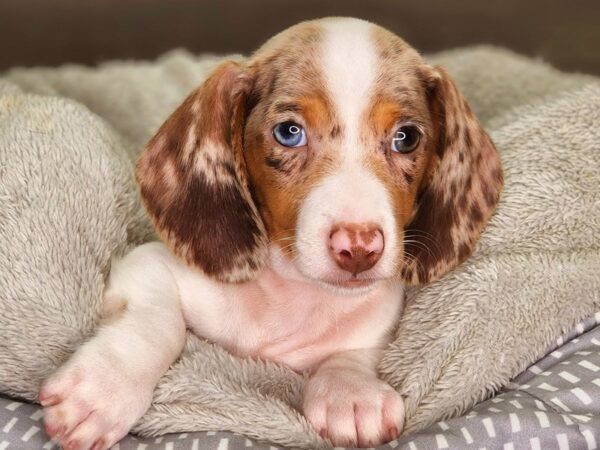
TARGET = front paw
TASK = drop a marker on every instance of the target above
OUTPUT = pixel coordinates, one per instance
(91, 403)
(352, 408)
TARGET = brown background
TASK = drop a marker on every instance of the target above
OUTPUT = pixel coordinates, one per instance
(49, 32)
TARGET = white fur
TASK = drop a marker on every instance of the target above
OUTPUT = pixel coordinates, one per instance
(349, 66)
(359, 198)
(352, 194)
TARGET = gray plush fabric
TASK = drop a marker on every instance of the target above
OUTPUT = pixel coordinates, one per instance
(68, 203)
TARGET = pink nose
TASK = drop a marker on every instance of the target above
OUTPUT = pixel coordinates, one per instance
(356, 247)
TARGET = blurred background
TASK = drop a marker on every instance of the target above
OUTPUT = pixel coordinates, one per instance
(565, 33)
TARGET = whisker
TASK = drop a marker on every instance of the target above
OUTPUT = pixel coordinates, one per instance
(423, 234)
(420, 245)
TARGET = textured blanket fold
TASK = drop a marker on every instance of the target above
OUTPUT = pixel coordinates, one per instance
(68, 204)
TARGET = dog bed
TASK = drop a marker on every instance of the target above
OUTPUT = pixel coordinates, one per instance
(555, 403)
(68, 139)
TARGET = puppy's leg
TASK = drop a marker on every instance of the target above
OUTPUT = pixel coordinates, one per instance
(346, 402)
(94, 399)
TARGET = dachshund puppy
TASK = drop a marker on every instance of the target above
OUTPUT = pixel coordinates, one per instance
(295, 194)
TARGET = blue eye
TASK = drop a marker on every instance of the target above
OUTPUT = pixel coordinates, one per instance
(405, 139)
(290, 134)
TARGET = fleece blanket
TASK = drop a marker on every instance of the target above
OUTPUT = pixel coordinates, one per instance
(68, 139)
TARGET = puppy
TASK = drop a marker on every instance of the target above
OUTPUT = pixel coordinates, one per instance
(295, 193)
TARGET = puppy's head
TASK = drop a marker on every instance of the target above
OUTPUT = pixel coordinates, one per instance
(336, 144)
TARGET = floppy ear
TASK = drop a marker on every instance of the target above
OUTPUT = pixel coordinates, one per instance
(194, 184)
(460, 190)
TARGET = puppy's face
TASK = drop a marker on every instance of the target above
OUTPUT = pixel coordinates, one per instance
(335, 184)
(334, 142)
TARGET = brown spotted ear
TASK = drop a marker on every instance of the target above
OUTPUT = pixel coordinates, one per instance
(194, 184)
(460, 190)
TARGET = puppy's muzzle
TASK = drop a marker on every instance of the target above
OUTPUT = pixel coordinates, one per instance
(356, 247)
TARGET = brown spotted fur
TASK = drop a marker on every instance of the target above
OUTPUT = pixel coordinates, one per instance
(460, 191)
(218, 206)
(194, 186)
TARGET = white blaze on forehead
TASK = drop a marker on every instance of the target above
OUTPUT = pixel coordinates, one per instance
(349, 68)
(351, 193)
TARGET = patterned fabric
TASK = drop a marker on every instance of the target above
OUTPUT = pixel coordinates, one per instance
(554, 404)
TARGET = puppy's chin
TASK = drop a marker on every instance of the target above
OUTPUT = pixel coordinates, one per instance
(349, 288)
(340, 284)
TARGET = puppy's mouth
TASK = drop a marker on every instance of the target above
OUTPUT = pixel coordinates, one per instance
(352, 283)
